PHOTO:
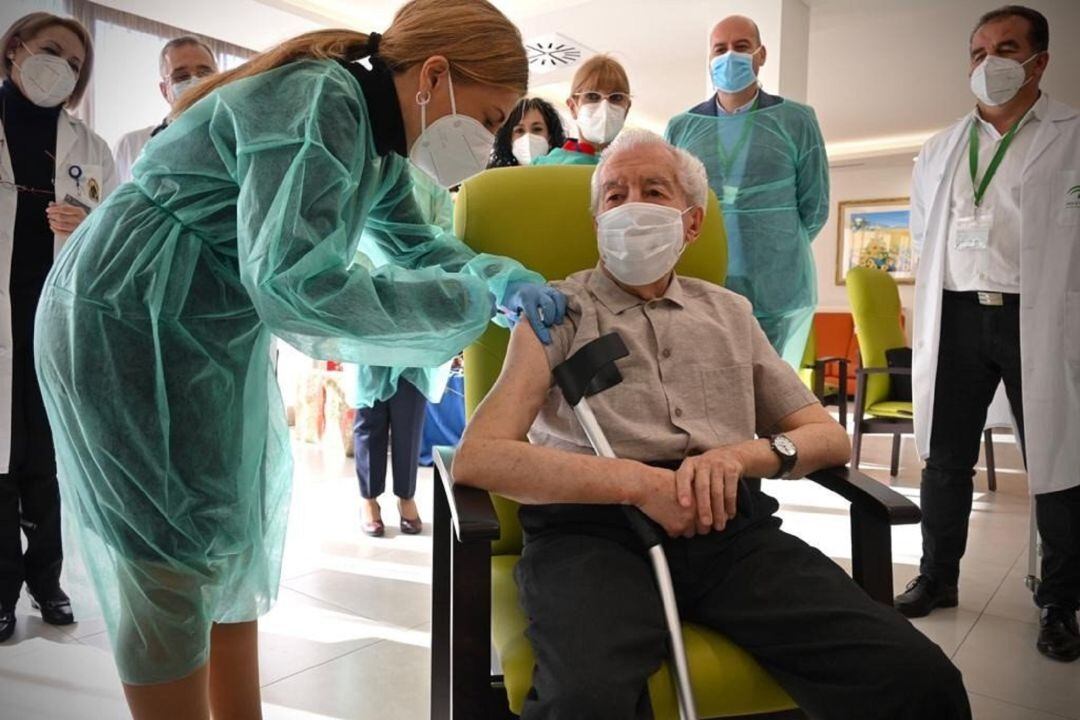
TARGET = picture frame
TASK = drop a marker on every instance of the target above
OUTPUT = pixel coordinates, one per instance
(875, 233)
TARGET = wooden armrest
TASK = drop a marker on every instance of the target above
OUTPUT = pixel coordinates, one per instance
(471, 510)
(868, 494)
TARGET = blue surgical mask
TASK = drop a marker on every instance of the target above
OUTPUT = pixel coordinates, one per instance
(733, 71)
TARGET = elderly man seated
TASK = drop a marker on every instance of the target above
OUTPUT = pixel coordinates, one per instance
(705, 401)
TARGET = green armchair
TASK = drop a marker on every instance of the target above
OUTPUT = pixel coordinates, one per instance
(540, 216)
(813, 372)
(875, 305)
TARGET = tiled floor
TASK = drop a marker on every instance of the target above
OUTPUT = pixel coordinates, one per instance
(349, 636)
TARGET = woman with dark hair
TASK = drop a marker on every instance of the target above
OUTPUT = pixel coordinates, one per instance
(532, 130)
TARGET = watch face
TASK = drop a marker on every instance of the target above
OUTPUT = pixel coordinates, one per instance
(784, 445)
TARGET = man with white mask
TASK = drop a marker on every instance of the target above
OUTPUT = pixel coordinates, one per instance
(995, 215)
(699, 383)
(767, 165)
(184, 62)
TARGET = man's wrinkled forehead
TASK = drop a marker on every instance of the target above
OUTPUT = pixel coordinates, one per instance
(642, 168)
(1003, 35)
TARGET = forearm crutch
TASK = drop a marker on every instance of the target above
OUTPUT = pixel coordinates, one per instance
(589, 371)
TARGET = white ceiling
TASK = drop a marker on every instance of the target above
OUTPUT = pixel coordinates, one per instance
(881, 73)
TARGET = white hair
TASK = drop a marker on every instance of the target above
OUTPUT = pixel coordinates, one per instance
(689, 171)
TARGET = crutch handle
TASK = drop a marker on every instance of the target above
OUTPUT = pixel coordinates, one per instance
(643, 527)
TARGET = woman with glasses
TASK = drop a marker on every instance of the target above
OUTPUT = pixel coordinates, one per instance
(599, 101)
(53, 171)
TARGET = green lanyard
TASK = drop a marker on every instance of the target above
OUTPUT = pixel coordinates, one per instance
(973, 158)
(729, 159)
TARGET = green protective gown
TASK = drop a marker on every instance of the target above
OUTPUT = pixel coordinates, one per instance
(154, 327)
(769, 170)
(374, 382)
(562, 156)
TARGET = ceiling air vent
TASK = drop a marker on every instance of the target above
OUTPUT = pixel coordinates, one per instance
(554, 51)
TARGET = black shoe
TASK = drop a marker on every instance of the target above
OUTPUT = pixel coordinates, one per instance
(56, 609)
(1059, 636)
(923, 595)
(7, 624)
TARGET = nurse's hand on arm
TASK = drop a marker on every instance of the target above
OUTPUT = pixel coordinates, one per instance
(542, 305)
(64, 218)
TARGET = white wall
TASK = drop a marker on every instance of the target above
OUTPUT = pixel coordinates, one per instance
(892, 67)
(247, 23)
(872, 180)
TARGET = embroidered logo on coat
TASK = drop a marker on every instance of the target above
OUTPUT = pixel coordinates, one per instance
(1072, 198)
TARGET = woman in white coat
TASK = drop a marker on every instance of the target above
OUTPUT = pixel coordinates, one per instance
(53, 172)
(1033, 202)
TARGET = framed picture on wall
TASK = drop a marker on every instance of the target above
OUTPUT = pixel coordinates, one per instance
(876, 234)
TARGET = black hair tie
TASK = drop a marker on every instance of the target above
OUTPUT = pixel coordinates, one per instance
(373, 43)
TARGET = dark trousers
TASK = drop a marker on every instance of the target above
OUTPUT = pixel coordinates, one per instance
(29, 494)
(395, 423)
(1058, 517)
(30, 504)
(980, 348)
(597, 627)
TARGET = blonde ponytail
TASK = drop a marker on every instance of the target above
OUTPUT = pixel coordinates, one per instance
(481, 44)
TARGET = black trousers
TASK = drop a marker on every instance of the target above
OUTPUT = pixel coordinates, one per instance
(30, 504)
(29, 494)
(1058, 517)
(980, 347)
(598, 631)
(395, 423)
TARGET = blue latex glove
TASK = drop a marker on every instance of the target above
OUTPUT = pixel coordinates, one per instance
(544, 306)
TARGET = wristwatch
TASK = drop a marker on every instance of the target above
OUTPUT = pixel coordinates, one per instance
(787, 452)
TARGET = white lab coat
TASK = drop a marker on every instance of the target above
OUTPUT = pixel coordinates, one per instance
(76, 144)
(128, 150)
(1049, 289)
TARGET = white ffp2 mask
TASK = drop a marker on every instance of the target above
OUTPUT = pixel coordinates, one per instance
(179, 88)
(599, 123)
(47, 81)
(454, 147)
(640, 242)
(528, 147)
(996, 80)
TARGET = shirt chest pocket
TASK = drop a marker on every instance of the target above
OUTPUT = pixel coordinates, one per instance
(729, 401)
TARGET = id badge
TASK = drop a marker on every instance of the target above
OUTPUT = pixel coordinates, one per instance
(973, 232)
(72, 200)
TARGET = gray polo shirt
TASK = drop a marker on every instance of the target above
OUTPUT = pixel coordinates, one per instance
(701, 374)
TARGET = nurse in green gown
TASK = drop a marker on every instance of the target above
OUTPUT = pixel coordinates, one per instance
(242, 221)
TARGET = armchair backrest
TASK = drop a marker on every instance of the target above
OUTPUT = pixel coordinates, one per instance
(875, 305)
(806, 369)
(540, 216)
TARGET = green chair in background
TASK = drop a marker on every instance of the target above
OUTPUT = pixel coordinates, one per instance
(875, 305)
(540, 216)
(812, 373)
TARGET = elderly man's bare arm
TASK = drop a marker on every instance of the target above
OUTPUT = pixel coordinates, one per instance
(495, 454)
(709, 482)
